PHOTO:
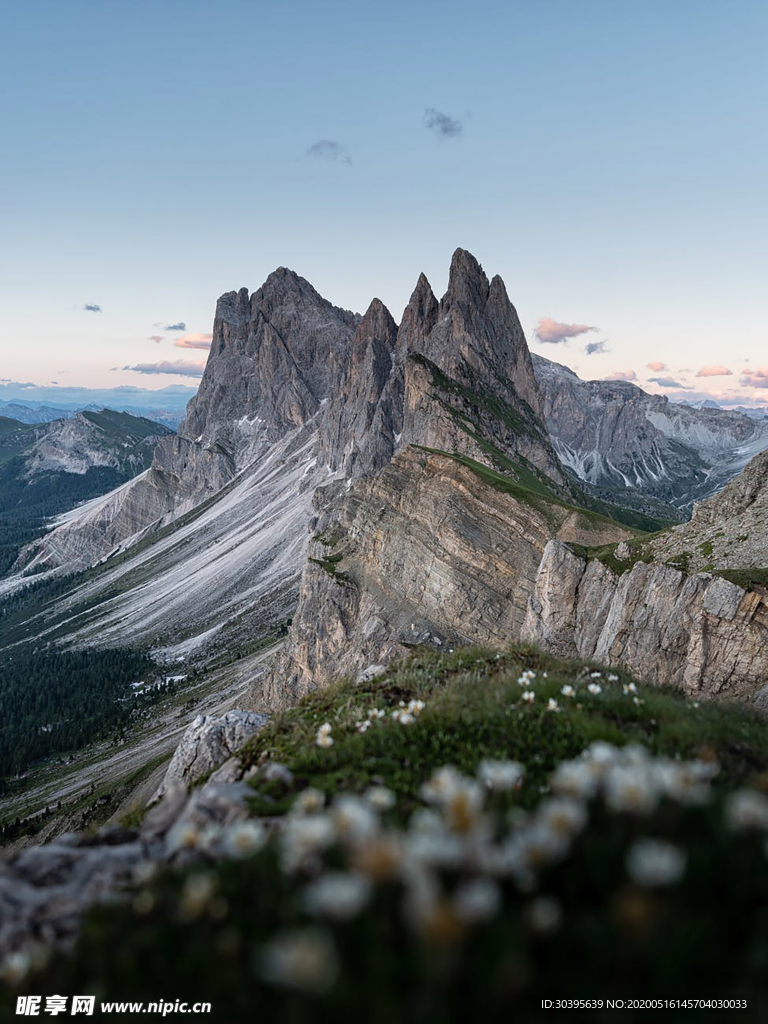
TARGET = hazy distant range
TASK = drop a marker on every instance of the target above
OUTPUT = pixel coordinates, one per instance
(32, 403)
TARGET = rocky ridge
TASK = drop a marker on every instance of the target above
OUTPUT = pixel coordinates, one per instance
(619, 438)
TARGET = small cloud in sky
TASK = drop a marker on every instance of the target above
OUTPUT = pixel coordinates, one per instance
(157, 338)
(656, 366)
(194, 341)
(180, 326)
(327, 149)
(551, 332)
(441, 124)
(596, 348)
(714, 371)
(622, 375)
(91, 307)
(755, 378)
(184, 367)
(668, 382)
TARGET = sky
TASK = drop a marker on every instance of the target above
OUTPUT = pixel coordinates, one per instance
(608, 159)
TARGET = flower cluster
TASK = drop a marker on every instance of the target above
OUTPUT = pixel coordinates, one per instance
(323, 738)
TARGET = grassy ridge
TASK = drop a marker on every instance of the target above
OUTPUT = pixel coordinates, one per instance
(217, 930)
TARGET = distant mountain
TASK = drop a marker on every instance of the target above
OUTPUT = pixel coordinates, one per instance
(624, 441)
(49, 468)
(32, 404)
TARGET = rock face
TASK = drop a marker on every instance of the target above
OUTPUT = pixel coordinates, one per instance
(695, 631)
(45, 890)
(614, 435)
(362, 427)
(729, 530)
(208, 743)
(427, 551)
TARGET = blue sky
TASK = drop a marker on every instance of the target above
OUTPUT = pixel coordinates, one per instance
(607, 158)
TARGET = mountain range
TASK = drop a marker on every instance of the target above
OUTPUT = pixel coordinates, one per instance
(367, 486)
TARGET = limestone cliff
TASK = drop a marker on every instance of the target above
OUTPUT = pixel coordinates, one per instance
(434, 549)
(699, 632)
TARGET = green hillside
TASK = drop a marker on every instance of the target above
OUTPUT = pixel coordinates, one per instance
(529, 828)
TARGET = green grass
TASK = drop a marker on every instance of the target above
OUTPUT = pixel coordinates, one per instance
(749, 579)
(606, 553)
(470, 715)
(615, 938)
(524, 487)
(123, 424)
(328, 565)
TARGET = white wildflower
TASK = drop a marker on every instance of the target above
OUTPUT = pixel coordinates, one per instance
(415, 707)
(653, 862)
(476, 900)
(629, 688)
(304, 959)
(529, 696)
(552, 705)
(15, 967)
(638, 701)
(545, 914)
(564, 815)
(630, 789)
(338, 895)
(613, 678)
(244, 838)
(595, 675)
(380, 798)
(594, 689)
(441, 784)
(747, 809)
(197, 893)
(574, 778)
(501, 775)
(353, 818)
(309, 801)
(602, 753)
(324, 738)
(568, 691)
(302, 837)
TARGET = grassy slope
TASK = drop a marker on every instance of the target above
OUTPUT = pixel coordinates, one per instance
(615, 937)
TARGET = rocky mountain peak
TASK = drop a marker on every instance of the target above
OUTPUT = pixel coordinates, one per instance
(358, 432)
(276, 356)
(467, 283)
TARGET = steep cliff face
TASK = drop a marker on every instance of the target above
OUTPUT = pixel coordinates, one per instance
(699, 632)
(435, 549)
(616, 436)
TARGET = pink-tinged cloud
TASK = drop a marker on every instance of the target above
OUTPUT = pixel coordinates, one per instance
(656, 366)
(622, 375)
(180, 367)
(194, 341)
(553, 333)
(755, 378)
(714, 371)
(157, 338)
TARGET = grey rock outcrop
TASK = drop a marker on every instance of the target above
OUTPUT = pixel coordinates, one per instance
(698, 632)
(362, 426)
(427, 551)
(45, 890)
(209, 742)
(728, 530)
